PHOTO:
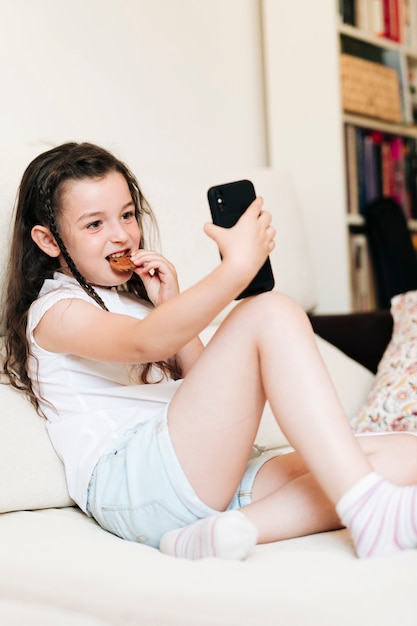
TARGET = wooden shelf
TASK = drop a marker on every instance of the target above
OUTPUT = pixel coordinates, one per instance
(380, 42)
(354, 219)
(356, 33)
(386, 127)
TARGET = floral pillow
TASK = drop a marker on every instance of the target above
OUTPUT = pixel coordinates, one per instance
(392, 401)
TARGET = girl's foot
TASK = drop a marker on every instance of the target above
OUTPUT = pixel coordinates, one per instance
(381, 517)
(228, 535)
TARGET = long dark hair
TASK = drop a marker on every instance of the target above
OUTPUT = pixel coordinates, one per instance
(39, 202)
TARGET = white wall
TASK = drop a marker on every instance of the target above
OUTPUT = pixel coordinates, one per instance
(163, 79)
(305, 131)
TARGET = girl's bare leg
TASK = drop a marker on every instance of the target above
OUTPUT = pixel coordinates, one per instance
(266, 349)
(288, 502)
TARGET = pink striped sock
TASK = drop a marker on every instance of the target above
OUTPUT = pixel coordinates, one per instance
(381, 517)
(228, 535)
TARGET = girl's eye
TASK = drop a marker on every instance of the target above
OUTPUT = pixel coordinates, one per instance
(129, 215)
(93, 225)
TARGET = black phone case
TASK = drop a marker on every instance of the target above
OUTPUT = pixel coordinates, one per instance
(227, 203)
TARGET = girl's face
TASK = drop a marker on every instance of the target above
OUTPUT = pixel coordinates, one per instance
(98, 221)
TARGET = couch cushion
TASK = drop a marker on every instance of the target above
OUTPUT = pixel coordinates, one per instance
(62, 560)
(31, 474)
(392, 401)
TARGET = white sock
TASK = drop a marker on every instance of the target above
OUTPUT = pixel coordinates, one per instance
(381, 517)
(228, 535)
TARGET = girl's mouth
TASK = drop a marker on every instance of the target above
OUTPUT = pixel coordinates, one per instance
(121, 261)
(118, 255)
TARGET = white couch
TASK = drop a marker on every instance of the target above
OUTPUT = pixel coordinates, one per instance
(57, 567)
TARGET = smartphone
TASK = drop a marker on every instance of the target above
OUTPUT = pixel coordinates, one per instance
(227, 203)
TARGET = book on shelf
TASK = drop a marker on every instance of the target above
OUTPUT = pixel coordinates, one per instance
(362, 281)
(412, 88)
(347, 11)
(411, 176)
(367, 15)
(409, 24)
(352, 169)
(376, 19)
(393, 19)
(398, 191)
(372, 168)
(360, 154)
(386, 167)
(392, 25)
(380, 165)
(396, 61)
(366, 167)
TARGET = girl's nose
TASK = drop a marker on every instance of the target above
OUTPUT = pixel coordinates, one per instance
(118, 232)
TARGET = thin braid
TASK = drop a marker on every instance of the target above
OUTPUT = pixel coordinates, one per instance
(46, 199)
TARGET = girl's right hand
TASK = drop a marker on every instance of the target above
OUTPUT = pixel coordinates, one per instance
(158, 275)
(246, 246)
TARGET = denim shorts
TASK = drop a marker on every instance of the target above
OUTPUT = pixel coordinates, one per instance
(139, 491)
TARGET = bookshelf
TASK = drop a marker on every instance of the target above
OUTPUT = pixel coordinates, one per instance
(307, 128)
(380, 145)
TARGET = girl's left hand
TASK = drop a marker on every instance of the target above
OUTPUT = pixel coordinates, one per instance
(158, 275)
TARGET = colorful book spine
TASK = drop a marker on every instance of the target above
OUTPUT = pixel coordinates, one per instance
(376, 17)
(398, 190)
(352, 170)
(360, 164)
(392, 19)
(347, 11)
(380, 165)
(392, 26)
(386, 166)
(411, 178)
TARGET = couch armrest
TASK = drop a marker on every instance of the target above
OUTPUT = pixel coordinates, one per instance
(362, 336)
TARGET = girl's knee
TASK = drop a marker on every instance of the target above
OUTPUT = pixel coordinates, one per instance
(271, 312)
(271, 300)
(278, 305)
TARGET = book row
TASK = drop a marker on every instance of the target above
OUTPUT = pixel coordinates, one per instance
(380, 165)
(393, 19)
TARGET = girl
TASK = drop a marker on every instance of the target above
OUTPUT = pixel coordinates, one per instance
(155, 432)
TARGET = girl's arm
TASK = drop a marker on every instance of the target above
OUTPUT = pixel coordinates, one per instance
(80, 328)
(160, 279)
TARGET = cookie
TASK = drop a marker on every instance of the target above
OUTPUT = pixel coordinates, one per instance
(122, 263)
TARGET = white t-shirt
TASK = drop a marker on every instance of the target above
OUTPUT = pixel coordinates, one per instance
(88, 404)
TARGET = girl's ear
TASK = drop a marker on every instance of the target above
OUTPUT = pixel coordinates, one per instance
(45, 240)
